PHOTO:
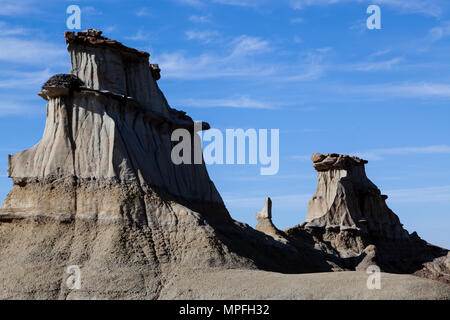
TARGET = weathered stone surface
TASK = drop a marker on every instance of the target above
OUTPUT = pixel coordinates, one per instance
(438, 269)
(265, 223)
(104, 64)
(101, 192)
(348, 219)
(346, 199)
(369, 258)
(324, 162)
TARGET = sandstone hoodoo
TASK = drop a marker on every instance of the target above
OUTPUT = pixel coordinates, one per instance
(349, 218)
(100, 193)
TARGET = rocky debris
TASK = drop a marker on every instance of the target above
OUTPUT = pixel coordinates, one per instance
(156, 71)
(438, 269)
(62, 80)
(60, 85)
(93, 37)
(324, 162)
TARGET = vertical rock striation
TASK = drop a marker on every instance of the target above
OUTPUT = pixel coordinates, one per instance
(348, 219)
(100, 190)
(346, 199)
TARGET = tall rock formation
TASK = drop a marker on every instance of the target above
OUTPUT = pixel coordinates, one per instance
(101, 192)
(349, 219)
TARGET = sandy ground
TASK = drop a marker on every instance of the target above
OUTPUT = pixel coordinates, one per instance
(245, 284)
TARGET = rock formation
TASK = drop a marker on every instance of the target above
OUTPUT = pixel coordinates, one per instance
(100, 192)
(348, 218)
(265, 223)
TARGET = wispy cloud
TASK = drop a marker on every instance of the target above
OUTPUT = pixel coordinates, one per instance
(138, 36)
(439, 32)
(235, 59)
(374, 65)
(24, 80)
(16, 8)
(243, 102)
(193, 3)
(143, 12)
(199, 19)
(377, 154)
(8, 108)
(246, 45)
(396, 90)
(295, 201)
(430, 7)
(30, 52)
(237, 3)
(414, 195)
(205, 36)
(7, 30)
(297, 20)
(301, 157)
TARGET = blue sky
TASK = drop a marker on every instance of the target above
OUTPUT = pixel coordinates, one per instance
(309, 68)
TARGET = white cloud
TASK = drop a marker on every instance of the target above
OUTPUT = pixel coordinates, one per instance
(377, 154)
(238, 3)
(7, 30)
(193, 3)
(199, 19)
(395, 90)
(204, 36)
(297, 20)
(234, 60)
(31, 52)
(233, 102)
(8, 108)
(301, 157)
(440, 32)
(24, 79)
(246, 45)
(413, 195)
(429, 7)
(143, 12)
(375, 66)
(16, 8)
(138, 36)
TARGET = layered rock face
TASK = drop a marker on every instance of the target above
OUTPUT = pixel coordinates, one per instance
(348, 218)
(113, 123)
(346, 199)
(100, 191)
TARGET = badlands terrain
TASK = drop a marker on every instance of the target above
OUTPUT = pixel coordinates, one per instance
(100, 191)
